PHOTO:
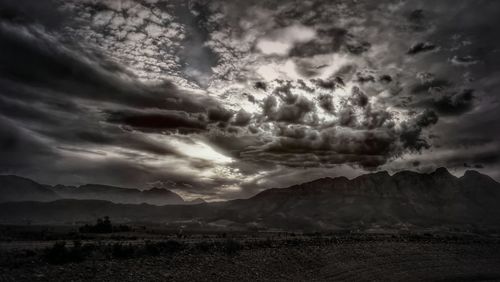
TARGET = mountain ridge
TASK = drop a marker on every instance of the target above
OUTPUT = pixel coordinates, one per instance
(17, 190)
(404, 198)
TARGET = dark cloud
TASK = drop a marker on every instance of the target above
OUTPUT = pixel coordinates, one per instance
(304, 147)
(242, 118)
(219, 114)
(356, 47)
(429, 85)
(358, 98)
(411, 131)
(26, 12)
(453, 102)
(68, 70)
(329, 83)
(306, 68)
(421, 47)
(327, 41)
(464, 60)
(159, 120)
(347, 118)
(290, 110)
(269, 106)
(260, 85)
(325, 101)
(20, 149)
(197, 60)
(466, 165)
(331, 40)
(364, 77)
(418, 20)
(250, 98)
(283, 91)
(374, 119)
(385, 78)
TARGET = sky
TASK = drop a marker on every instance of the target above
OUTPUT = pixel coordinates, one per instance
(223, 99)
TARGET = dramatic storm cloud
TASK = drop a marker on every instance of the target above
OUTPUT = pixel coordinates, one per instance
(221, 99)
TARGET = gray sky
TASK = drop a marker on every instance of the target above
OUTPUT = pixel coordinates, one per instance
(221, 99)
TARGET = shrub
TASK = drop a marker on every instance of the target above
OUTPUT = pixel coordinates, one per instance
(60, 254)
(203, 246)
(152, 249)
(170, 246)
(232, 247)
(164, 247)
(122, 228)
(102, 226)
(121, 251)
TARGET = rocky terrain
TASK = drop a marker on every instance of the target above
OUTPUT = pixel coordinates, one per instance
(326, 259)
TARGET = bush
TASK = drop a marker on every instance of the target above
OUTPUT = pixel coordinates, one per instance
(122, 228)
(121, 251)
(232, 247)
(60, 254)
(163, 247)
(102, 226)
(152, 249)
(203, 247)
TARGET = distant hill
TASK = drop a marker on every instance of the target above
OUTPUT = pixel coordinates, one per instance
(15, 188)
(154, 196)
(195, 201)
(378, 199)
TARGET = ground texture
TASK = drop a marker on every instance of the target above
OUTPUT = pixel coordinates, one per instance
(340, 261)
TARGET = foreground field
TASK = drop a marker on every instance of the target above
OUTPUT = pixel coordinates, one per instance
(319, 258)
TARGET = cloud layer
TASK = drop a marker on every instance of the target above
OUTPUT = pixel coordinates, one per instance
(219, 100)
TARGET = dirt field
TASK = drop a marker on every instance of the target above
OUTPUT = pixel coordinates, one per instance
(324, 259)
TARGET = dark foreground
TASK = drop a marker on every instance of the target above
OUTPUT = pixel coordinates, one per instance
(319, 257)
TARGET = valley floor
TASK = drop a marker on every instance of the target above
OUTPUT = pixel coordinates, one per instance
(316, 260)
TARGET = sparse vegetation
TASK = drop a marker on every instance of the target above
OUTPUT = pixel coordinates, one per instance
(232, 247)
(163, 247)
(203, 246)
(210, 251)
(102, 226)
(123, 251)
(60, 254)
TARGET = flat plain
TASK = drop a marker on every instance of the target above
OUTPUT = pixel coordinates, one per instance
(158, 255)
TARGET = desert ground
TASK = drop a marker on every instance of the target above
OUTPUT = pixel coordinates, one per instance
(155, 254)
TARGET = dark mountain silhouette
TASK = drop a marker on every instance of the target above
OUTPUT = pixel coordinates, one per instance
(406, 197)
(195, 201)
(153, 196)
(15, 188)
(403, 199)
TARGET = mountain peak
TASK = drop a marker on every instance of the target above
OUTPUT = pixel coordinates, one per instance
(157, 190)
(17, 188)
(12, 177)
(196, 201)
(472, 173)
(442, 171)
(382, 172)
(476, 176)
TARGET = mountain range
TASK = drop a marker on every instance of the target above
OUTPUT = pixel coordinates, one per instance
(15, 189)
(378, 199)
